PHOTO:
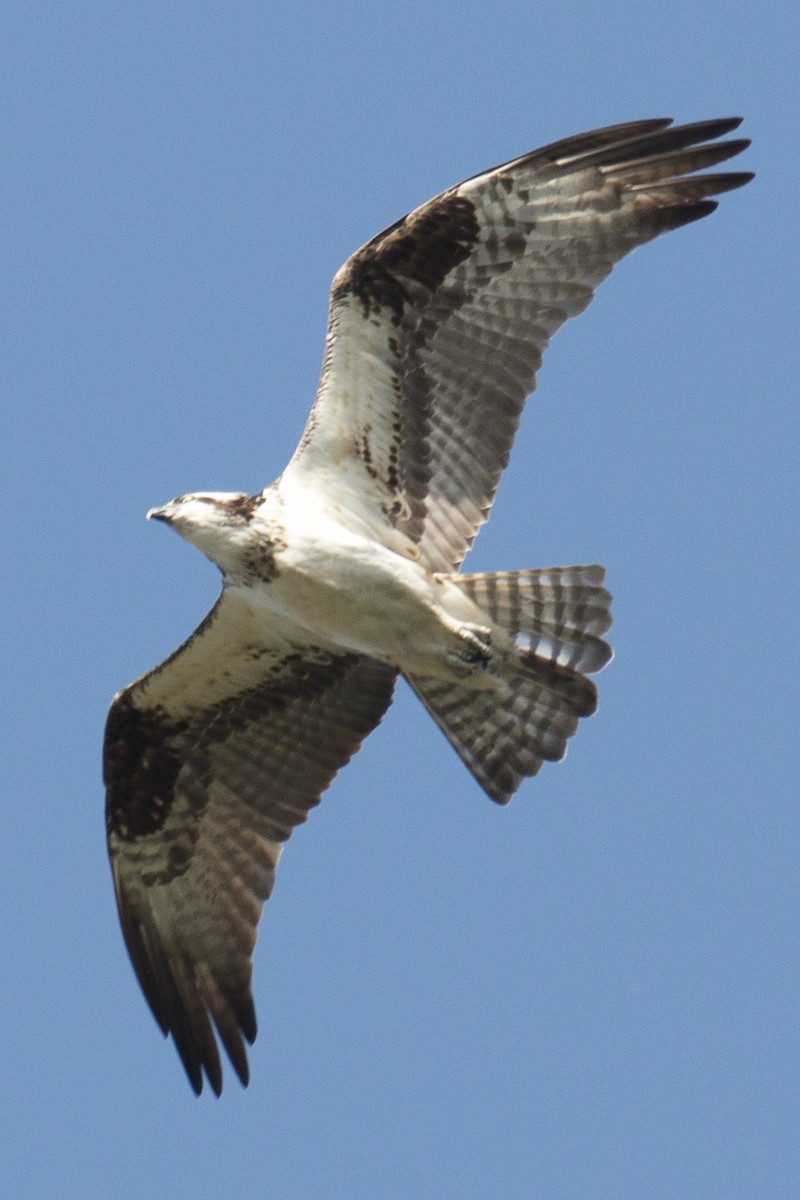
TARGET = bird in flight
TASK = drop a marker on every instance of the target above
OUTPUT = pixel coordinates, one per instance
(345, 572)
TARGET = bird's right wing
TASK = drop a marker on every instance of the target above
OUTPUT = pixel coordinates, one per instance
(210, 761)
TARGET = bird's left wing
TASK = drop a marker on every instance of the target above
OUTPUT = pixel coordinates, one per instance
(210, 761)
(438, 325)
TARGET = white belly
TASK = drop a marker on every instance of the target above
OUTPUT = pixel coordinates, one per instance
(354, 592)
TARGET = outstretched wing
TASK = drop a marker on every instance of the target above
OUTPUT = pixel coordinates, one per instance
(437, 326)
(210, 761)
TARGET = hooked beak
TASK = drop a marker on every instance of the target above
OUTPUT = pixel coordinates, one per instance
(160, 514)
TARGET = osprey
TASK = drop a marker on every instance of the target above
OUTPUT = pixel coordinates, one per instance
(345, 572)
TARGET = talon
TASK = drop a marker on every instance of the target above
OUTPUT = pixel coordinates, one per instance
(478, 646)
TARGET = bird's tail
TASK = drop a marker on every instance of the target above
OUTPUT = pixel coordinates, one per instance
(556, 618)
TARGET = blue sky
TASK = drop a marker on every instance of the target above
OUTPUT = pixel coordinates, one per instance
(591, 993)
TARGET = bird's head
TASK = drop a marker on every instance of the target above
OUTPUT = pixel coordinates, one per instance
(215, 522)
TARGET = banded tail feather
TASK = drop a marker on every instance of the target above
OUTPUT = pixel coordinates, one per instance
(555, 617)
(565, 607)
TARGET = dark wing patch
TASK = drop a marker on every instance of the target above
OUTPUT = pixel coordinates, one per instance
(227, 783)
(422, 249)
(141, 763)
(438, 325)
